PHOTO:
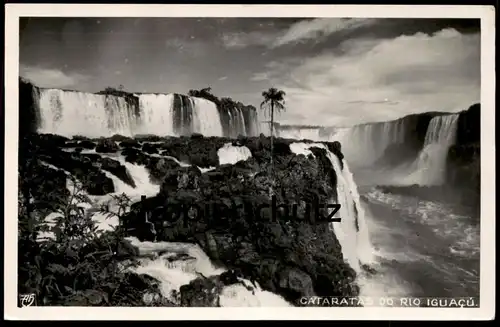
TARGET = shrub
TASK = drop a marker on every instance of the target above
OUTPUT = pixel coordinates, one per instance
(81, 266)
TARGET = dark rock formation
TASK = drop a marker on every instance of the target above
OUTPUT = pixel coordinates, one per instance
(86, 144)
(121, 138)
(227, 211)
(201, 292)
(106, 146)
(47, 149)
(150, 148)
(28, 111)
(464, 158)
(201, 152)
(160, 167)
(222, 211)
(130, 144)
(469, 126)
(117, 169)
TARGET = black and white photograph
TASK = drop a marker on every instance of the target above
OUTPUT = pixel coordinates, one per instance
(252, 161)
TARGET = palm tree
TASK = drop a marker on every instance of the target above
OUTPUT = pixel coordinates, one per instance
(273, 99)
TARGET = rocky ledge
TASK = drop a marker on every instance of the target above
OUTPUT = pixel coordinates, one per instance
(290, 257)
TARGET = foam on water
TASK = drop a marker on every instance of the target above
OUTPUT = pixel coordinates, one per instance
(143, 186)
(229, 154)
(173, 276)
(463, 237)
(245, 295)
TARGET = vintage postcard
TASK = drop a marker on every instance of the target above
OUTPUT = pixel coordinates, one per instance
(282, 162)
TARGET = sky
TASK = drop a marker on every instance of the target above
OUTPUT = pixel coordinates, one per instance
(334, 71)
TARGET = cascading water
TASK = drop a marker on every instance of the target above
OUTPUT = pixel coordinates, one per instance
(430, 166)
(206, 118)
(230, 154)
(250, 120)
(351, 231)
(156, 114)
(236, 122)
(366, 143)
(76, 113)
(173, 264)
(71, 113)
(243, 126)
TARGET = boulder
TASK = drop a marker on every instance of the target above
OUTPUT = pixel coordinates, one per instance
(86, 144)
(296, 281)
(106, 146)
(150, 148)
(202, 292)
(130, 143)
(117, 169)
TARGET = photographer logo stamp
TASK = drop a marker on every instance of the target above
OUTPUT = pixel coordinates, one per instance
(27, 300)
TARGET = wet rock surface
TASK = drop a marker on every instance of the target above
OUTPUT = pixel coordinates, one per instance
(219, 210)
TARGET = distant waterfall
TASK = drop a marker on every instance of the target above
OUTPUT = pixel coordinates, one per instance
(235, 122)
(206, 118)
(102, 114)
(367, 143)
(183, 114)
(156, 114)
(251, 122)
(76, 113)
(430, 166)
(442, 130)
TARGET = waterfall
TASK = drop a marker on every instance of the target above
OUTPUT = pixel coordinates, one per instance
(251, 121)
(367, 143)
(442, 130)
(206, 118)
(238, 121)
(182, 114)
(156, 114)
(71, 113)
(230, 154)
(242, 122)
(173, 275)
(351, 231)
(430, 166)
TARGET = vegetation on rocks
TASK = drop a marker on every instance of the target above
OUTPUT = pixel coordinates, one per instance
(77, 265)
(290, 257)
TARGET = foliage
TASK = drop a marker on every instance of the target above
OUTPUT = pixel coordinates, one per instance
(111, 89)
(80, 265)
(225, 103)
(205, 93)
(274, 99)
